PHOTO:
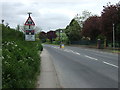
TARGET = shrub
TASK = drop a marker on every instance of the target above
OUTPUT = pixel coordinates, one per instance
(20, 60)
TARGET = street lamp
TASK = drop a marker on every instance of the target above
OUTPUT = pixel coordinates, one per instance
(113, 37)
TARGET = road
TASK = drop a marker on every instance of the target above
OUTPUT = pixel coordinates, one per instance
(84, 68)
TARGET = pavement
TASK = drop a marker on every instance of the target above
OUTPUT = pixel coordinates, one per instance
(48, 76)
(76, 67)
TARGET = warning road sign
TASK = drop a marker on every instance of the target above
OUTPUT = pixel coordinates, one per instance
(29, 21)
(30, 37)
(29, 29)
(29, 32)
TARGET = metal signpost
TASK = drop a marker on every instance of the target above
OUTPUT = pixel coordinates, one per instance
(29, 29)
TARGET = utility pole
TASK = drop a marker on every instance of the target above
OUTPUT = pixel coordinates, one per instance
(113, 37)
(59, 35)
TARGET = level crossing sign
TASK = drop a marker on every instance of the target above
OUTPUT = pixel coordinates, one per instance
(29, 21)
(29, 29)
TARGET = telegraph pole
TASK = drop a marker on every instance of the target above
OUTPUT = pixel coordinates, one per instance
(59, 35)
(113, 37)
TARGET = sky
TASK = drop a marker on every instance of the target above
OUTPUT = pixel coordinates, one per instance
(48, 14)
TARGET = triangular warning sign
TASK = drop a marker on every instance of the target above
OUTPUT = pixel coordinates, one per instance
(29, 21)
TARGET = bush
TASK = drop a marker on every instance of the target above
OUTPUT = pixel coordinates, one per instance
(20, 60)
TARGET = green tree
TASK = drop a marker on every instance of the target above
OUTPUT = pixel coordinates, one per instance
(83, 17)
(61, 36)
(73, 31)
(18, 27)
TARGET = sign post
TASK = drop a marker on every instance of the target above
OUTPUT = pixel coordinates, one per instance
(29, 29)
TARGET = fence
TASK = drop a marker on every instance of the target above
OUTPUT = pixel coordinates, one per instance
(84, 42)
(101, 43)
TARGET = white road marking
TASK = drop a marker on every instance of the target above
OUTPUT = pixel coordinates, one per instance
(66, 50)
(91, 57)
(72, 51)
(77, 53)
(55, 47)
(110, 64)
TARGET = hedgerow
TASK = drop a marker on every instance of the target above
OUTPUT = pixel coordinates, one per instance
(20, 60)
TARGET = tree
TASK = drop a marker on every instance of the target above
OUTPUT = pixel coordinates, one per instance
(7, 24)
(43, 36)
(58, 31)
(81, 18)
(85, 15)
(73, 31)
(61, 36)
(18, 27)
(108, 18)
(51, 35)
(37, 29)
(3, 21)
(118, 25)
(91, 27)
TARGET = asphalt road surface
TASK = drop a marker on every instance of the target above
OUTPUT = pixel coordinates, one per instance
(84, 68)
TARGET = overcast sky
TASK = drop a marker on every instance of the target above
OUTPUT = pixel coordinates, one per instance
(48, 14)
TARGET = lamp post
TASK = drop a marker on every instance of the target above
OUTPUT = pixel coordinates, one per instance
(113, 37)
(61, 35)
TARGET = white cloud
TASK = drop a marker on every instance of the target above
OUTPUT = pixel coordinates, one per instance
(49, 14)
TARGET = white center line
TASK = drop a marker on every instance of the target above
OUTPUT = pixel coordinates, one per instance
(110, 64)
(66, 50)
(91, 57)
(77, 53)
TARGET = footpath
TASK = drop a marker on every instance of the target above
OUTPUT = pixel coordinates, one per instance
(48, 76)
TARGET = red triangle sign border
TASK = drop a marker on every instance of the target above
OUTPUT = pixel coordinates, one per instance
(26, 23)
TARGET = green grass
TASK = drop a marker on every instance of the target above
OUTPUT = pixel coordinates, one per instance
(116, 51)
(20, 60)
